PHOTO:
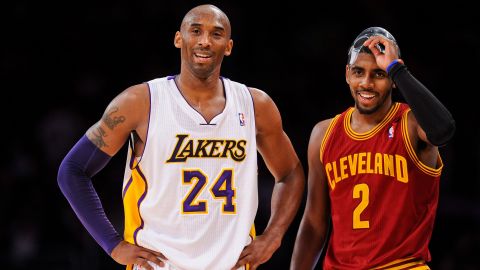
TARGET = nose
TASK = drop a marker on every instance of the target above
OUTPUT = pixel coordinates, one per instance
(204, 39)
(366, 82)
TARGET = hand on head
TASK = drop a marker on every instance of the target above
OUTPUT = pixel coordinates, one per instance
(390, 53)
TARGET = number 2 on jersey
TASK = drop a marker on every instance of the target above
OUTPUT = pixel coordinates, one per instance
(222, 189)
(360, 190)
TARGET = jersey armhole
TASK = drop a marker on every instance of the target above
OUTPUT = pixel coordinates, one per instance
(327, 135)
(136, 160)
(413, 155)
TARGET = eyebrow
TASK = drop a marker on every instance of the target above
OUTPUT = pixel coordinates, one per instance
(379, 70)
(216, 27)
(352, 67)
(361, 68)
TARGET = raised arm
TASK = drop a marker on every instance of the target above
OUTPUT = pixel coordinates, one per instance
(127, 113)
(282, 161)
(436, 125)
(313, 227)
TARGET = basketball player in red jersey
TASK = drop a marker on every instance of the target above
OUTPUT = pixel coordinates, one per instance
(374, 169)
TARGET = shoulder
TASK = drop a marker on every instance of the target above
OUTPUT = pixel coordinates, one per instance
(267, 115)
(259, 96)
(265, 107)
(135, 94)
(137, 91)
(316, 140)
(132, 103)
(320, 129)
(262, 102)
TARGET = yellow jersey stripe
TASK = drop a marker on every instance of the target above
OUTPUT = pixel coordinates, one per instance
(393, 263)
(253, 232)
(407, 265)
(422, 267)
(133, 196)
(327, 134)
(404, 264)
(367, 135)
(411, 152)
(253, 235)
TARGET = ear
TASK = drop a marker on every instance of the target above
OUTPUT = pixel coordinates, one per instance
(177, 41)
(228, 49)
(347, 75)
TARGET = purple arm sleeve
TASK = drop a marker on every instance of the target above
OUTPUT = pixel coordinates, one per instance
(74, 178)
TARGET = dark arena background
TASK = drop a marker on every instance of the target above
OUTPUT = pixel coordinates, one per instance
(61, 64)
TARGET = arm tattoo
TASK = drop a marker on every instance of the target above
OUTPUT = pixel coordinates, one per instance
(112, 122)
(98, 134)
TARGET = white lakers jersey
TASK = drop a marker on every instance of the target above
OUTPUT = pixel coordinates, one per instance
(192, 195)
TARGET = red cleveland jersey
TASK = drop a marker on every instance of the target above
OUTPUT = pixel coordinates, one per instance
(383, 198)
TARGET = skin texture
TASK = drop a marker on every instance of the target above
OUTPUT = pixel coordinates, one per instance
(204, 40)
(371, 89)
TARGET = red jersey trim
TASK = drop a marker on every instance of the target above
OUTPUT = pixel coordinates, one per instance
(367, 135)
(411, 152)
(327, 135)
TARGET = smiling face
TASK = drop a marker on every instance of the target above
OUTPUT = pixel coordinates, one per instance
(204, 39)
(370, 86)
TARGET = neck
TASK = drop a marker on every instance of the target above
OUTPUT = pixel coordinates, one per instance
(371, 119)
(197, 89)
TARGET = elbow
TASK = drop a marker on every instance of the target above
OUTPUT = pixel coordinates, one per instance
(445, 136)
(299, 176)
(62, 179)
(66, 172)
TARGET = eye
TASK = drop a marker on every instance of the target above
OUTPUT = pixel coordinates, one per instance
(217, 34)
(195, 30)
(357, 72)
(380, 75)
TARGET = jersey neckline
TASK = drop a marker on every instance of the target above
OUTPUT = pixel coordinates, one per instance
(192, 112)
(367, 135)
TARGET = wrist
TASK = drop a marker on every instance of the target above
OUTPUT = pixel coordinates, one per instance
(275, 236)
(394, 67)
(394, 62)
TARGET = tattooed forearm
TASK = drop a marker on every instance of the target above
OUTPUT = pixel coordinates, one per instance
(110, 121)
(98, 133)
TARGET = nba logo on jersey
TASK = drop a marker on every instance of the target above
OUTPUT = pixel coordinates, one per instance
(390, 132)
(241, 117)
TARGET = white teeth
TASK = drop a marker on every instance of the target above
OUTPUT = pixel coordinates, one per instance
(202, 55)
(365, 95)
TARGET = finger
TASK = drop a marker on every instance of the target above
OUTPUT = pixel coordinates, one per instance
(373, 46)
(367, 42)
(153, 258)
(158, 254)
(143, 263)
(371, 40)
(246, 251)
(242, 262)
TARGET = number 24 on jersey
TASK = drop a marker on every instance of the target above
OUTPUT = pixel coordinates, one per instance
(223, 189)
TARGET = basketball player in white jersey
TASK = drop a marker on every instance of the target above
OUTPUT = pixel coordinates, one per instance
(190, 187)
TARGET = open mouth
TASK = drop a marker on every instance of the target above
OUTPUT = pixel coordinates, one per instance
(367, 98)
(202, 57)
(366, 95)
